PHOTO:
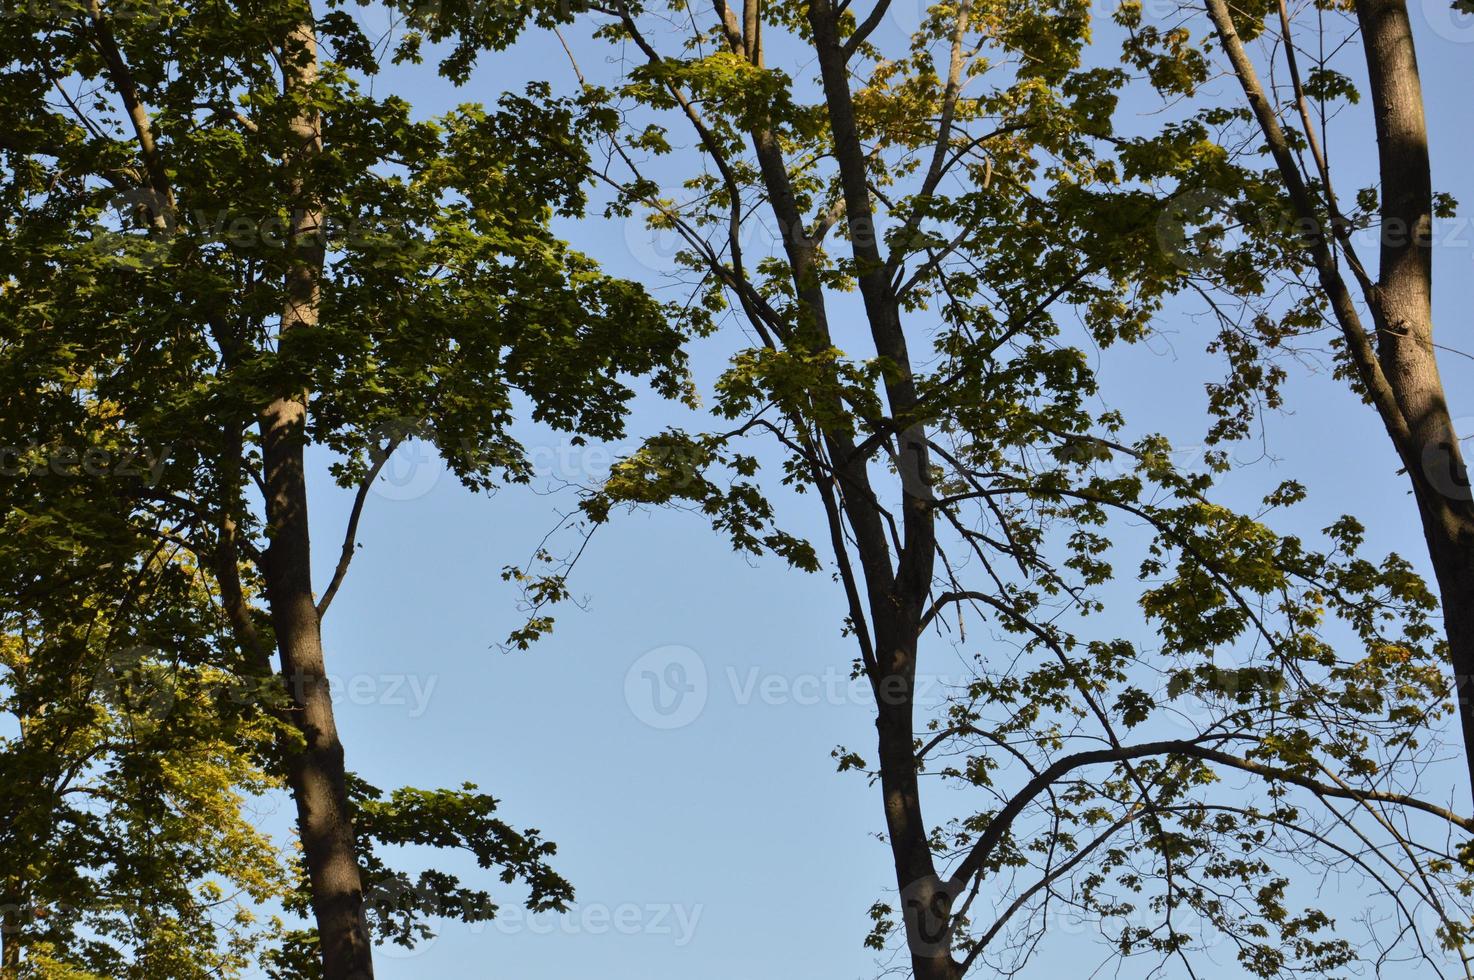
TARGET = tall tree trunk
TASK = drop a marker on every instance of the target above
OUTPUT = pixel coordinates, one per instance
(926, 904)
(896, 598)
(896, 594)
(316, 774)
(1405, 336)
(11, 914)
(1397, 366)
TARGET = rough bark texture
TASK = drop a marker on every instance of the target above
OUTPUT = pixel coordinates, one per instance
(10, 927)
(896, 593)
(1398, 365)
(887, 591)
(317, 773)
(1405, 340)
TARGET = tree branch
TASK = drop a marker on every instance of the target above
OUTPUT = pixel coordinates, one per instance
(350, 536)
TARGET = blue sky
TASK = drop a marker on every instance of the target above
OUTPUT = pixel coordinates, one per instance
(720, 843)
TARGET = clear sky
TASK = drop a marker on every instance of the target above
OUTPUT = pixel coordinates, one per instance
(711, 838)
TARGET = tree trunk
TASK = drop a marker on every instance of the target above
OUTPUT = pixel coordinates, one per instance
(897, 595)
(1405, 350)
(1401, 378)
(316, 773)
(11, 914)
(926, 905)
(1453, 562)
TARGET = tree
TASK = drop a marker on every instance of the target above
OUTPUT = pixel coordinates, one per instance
(1381, 316)
(1278, 703)
(221, 250)
(145, 750)
(130, 785)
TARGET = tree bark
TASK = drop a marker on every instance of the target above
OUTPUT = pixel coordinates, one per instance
(926, 904)
(1397, 367)
(11, 912)
(316, 774)
(897, 594)
(1405, 339)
